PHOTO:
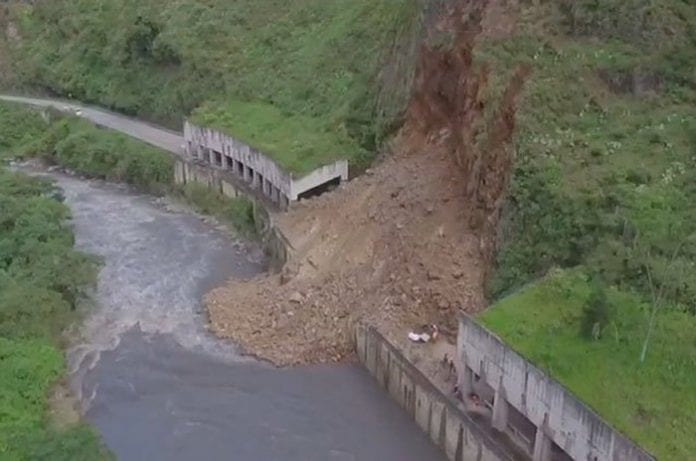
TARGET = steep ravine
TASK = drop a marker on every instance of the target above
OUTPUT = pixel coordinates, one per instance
(157, 386)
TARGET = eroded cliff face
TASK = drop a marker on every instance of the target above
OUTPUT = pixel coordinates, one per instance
(451, 102)
(409, 242)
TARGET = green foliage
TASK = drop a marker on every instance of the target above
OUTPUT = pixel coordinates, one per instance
(313, 66)
(605, 169)
(42, 280)
(652, 402)
(112, 156)
(79, 145)
(17, 128)
(238, 212)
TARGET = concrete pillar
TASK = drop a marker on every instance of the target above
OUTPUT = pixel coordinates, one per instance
(211, 156)
(499, 420)
(542, 443)
(465, 381)
(275, 194)
(257, 180)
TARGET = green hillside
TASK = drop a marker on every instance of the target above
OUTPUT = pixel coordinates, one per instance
(316, 66)
(605, 184)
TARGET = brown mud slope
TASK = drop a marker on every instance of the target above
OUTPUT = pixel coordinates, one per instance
(407, 243)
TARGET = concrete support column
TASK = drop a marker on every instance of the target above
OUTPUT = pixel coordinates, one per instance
(246, 174)
(465, 380)
(500, 409)
(542, 443)
(275, 194)
(211, 156)
(256, 180)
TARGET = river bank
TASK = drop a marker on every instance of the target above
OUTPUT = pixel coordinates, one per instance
(43, 284)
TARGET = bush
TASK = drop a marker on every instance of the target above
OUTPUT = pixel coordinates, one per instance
(78, 145)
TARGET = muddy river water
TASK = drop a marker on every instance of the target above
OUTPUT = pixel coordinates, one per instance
(157, 386)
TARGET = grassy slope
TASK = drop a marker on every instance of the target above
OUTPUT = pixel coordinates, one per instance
(310, 66)
(653, 402)
(41, 279)
(605, 182)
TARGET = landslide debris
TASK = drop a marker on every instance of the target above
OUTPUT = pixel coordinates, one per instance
(407, 243)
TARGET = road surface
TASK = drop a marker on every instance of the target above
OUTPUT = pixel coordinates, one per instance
(156, 136)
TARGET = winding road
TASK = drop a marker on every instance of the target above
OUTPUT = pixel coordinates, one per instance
(157, 136)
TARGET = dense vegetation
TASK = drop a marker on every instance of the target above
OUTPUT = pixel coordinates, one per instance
(604, 184)
(42, 281)
(313, 65)
(82, 147)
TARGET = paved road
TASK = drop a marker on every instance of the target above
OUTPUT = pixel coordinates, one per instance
(157, 136)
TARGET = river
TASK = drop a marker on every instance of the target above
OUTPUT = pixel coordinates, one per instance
(157, 386)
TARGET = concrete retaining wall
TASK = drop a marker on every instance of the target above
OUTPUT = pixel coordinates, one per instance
(558, 415)
(275, 244)
(248, 165)
(436, 413)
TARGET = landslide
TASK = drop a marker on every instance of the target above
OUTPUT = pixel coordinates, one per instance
(407, 243)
